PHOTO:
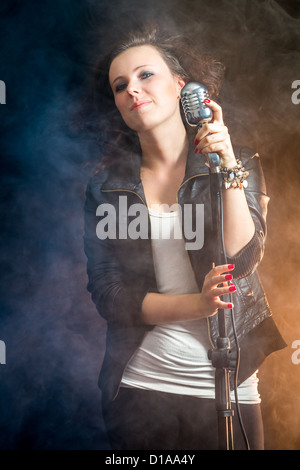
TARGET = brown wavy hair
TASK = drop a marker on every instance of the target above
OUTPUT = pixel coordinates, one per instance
(99, 114)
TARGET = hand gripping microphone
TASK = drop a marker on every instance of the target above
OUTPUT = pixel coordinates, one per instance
(197, 113)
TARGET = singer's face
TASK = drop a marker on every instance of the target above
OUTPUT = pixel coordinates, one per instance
(146, 92)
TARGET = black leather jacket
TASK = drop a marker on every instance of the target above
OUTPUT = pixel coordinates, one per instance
(121, 271)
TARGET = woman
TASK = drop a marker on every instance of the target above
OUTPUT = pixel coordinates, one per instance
(158, 291)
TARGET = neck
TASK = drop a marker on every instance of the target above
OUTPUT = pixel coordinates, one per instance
(167, 146)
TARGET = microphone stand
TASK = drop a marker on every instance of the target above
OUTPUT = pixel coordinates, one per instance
(222, 356)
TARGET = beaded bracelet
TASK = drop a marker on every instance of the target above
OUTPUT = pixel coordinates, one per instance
(235, 177)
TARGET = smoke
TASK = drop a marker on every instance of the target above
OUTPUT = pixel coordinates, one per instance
(54, 337)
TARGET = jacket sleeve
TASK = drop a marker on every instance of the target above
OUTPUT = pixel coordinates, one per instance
(250, 256)
(119, 303)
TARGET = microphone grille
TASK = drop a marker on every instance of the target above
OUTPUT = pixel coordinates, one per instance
(192, 96)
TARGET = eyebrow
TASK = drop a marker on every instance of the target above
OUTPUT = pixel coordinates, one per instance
(134, 70)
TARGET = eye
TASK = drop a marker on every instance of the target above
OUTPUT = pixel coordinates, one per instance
(120, 87)
(145, 74)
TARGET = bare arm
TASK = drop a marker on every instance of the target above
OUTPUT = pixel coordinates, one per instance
(163, 308)
(239, 227)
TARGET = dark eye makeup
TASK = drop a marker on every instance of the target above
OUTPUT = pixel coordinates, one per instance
(122, 85)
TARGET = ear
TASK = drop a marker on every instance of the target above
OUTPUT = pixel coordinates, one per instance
(180, 84)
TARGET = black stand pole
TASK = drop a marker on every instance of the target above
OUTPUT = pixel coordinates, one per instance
(222, 356)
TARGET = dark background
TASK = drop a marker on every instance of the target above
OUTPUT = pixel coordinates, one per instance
(54, 337)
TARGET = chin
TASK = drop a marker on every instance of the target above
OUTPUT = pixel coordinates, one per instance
(148, 121)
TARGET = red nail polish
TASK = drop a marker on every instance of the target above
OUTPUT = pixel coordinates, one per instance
(196, 150)
(196, 142)
(231, 266)
(229, 306)
(206, 100)
(228, 277)
(232, 289)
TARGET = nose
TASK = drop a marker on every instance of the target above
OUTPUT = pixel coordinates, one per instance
(133, 88)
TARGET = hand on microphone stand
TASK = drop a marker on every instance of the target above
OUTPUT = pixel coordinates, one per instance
(216, 284)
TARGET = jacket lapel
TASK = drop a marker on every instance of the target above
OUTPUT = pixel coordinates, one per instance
(125, 174)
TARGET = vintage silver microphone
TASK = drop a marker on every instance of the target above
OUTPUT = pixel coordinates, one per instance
(197, 113)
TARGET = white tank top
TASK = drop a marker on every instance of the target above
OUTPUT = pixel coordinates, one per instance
(173, 356)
